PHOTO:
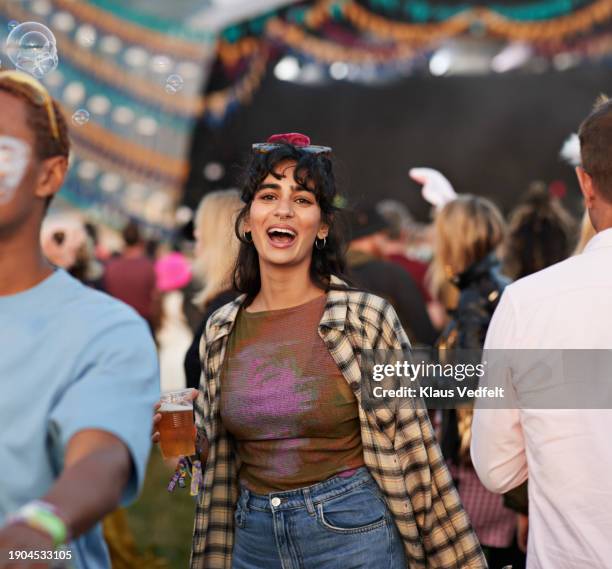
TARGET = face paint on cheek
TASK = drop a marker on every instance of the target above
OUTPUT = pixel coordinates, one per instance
(14, 159)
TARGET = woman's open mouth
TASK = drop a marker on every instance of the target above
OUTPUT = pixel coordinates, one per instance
(281, 236)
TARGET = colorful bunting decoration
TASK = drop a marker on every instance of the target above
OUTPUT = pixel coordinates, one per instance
(362, 32)
(133, 88)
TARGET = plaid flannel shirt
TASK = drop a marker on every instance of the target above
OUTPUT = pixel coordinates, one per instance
(399, 447)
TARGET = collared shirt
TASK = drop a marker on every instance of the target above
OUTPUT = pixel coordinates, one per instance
(565, 453)
(400, 448)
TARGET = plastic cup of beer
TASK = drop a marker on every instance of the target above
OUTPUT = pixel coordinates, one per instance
(176, 428)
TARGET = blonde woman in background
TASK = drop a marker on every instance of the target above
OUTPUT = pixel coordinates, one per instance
(216, 251)
(466, 231)
(465, 270)
(466, 274)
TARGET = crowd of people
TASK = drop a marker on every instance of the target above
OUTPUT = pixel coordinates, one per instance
(282, 294)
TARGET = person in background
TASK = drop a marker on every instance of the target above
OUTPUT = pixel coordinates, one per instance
(468, 234)
(564, 452)
(437, 190)
(173, 274)
(78, 370)
(466, 272)
(401, 232)
(409, 244)
(541, 233)
(131, 277)
(153, 248)
(67, 245)
(216, 252)
(100, 252)
(368, 268)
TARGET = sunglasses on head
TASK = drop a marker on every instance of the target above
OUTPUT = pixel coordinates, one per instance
(35, 92)
(265, 147)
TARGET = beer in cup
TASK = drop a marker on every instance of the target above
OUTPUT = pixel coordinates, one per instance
(176, 428)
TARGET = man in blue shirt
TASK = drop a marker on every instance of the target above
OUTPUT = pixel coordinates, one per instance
(78, 370)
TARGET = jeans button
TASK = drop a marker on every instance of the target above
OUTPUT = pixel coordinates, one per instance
(275, 502)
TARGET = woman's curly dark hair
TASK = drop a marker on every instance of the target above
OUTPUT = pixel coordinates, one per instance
(311, 171)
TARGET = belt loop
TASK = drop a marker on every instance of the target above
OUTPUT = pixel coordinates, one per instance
(308, 500)
(245, 499)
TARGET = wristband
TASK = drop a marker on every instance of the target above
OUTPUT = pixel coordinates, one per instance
(44, 517)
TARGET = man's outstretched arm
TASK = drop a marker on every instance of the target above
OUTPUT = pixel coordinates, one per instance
(97, 469)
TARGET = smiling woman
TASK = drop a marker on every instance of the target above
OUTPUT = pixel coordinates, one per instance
(286, 225)
(278, 410)
(285, 216)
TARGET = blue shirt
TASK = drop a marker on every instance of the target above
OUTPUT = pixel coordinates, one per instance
(71, 358)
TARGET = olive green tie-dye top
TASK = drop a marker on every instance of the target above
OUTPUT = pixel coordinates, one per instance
(293, 417)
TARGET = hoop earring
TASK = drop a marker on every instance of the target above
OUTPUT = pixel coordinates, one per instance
(248, 237)
(317, 241)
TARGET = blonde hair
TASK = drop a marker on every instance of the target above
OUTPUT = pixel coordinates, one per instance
(587, 232)
(466, 230)
(216, 244)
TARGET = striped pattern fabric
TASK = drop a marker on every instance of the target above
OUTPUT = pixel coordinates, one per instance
(399, 446)
(494, 524)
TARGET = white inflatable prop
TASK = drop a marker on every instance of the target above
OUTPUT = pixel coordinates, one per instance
(437, 190)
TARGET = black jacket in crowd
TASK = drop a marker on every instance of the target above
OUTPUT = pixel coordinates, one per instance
(481, 287)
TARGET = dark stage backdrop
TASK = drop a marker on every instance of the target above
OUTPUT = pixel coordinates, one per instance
(490, 135)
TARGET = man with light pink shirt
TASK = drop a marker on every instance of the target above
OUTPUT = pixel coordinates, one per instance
(565, 453)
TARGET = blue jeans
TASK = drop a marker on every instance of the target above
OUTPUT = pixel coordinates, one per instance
(341, 523)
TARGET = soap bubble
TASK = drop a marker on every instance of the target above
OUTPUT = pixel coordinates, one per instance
(32, 48)
(13, 24)
(80, 117)
(174, 84)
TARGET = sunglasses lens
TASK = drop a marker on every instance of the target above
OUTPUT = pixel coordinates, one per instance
(317, 149)
(265, 147)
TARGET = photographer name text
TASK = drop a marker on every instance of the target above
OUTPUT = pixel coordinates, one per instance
(434, 393)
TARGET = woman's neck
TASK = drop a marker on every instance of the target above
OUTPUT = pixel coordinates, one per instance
(284, 288)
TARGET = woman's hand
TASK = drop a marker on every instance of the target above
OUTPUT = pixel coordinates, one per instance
(155, 437)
